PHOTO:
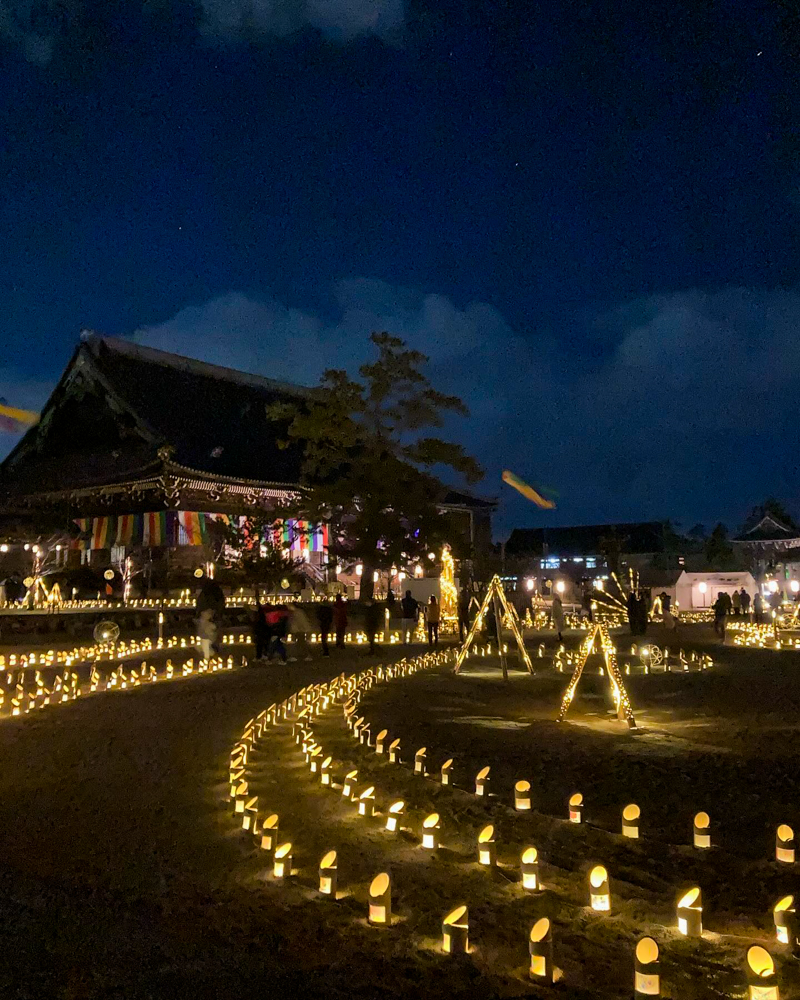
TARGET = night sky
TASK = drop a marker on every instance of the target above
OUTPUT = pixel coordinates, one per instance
(585, 213)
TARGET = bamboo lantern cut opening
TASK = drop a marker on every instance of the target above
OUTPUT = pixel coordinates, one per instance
(366, 802)
(540, 946)
(250, 816)
(430, 828)
(530, 869)
(455, 932)
(647, 979)
(419, 761)
(522, 796)
(784, 844)
(630, 821)
(761, 978)
(282, 861)
(785, 919)
(394, 752)
(702, 831)
(599, 891)
(315, 760)
(269, 833)
(349, 784)
(396, 810)
(576, 808)
(328, 874)
(690, 913)
(482, 781)
(380, 900)
(447, 772)
(487, 849)
(380, 740)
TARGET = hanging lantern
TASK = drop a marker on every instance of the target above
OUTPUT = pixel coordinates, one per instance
(380, 899)
(630, 821)
(647, 978)
(455, 932)
(702, 831)
(396, 810)
(785, 918)
(269, 833)
(482, 781)
(419, 761)
(430, 829)
(380, 740)
(328, 874)
(576, 808)
(487, 849)
(599, 892)
(282, 863)
(366, 802)
(325, 771)
(761, 978)
(394, 752)
(784, 844)
(447, 772)
(540, 946)
(349, 784)
(522, 796)
(690, 913)
(530, 869)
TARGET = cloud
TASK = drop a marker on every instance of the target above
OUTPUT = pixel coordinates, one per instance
(342, 20)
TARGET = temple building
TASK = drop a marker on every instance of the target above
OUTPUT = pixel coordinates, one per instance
(140, 449)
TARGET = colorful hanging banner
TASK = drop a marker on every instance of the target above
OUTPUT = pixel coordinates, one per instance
(194, 526)
(527, 491)
(104, 532)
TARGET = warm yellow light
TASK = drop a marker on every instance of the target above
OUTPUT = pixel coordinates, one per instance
(561, 586)
(529, 584)
(359, 569)
(455, 931)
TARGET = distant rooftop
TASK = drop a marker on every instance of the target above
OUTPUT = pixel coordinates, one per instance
(582, 540)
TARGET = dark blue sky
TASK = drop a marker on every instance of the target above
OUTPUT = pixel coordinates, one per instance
(588, 218)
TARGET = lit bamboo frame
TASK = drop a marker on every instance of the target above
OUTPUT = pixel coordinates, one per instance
(618, 692)
(495, 591)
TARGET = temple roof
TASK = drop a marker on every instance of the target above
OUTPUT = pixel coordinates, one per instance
(768, 529)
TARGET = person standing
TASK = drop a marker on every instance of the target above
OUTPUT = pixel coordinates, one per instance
(339, 620)
(463, 614)
(745, 603)
(211, 598)
(277, 622)
(372, 622)
(409, 609)
(300, 627)
(261, 634)
(736, 603)
(758, 608)
(325, 620)
(432, 619)
(557, 612)
(721, 614)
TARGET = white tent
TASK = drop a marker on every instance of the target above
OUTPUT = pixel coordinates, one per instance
(699, 590)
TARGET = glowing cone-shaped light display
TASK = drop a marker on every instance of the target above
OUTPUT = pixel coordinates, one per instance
(396, 810)
(366, 802)
(269, 833)
(380, 900)
(487, 849)
(761, 979)
(530, 869)
(430, 831)
(784, 844)
(420, 761)
(785, 918)
(631, 815)
(328, 874)
(522, 796)
(447, 772)
(599, 891)
(690, 913)
(455, 932)
(647, 976)
(349, 784)
(540, 946)
(282, 861)
(702, 831)
(394, 752)
(482, 781)
(576, 808)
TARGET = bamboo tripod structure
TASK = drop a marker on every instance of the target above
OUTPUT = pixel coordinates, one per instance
(499, 601)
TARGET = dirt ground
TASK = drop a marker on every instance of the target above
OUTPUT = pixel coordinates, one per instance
(124, 874)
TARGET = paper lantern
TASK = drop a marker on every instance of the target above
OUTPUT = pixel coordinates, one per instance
(630, 821)
(394, 752)
(380, 899)
(325, 771)
(530, 869)
(540, 946)
(328, 874)
(702, 831)
(785, 918)
(269, 833)
(482, 781)
(690, 913)
(282, 861)
(761, 978)
(366, 802)
(522, 796)
(396, 810)
(784, 844)
(430, 829)
(419, 761)
(455, 932)
(599, 892)
(380, 740)
(576, 808)
(487, 849)
(647, 977)
(348, 786)
(447, 772)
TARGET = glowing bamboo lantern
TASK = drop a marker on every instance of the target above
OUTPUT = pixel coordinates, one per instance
(447, 772)
(348, 786)
(784, 844)
(785, 918)
(487, 849)
(250, 815)
(241, 798)
(396, 810)
(647, 974)
(522, 796)
(482, 781)
(419, 761)
(702, 831)
(269, 833)
(455, 932)
(761, 978)
(325, 771)
(366, 802)
(380, 740)
(315, 760)
(394, 752)
(380, 899)
(599, 891)
(364, 735)
(430, 829)
(540, 946)
(690, 913)
(236, 777)
(630, 821)
(328, 874)
(530, 869)
(576, 808)
(282, 861)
